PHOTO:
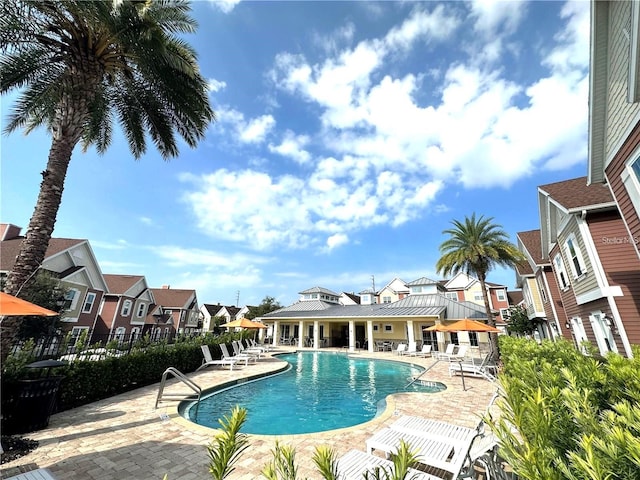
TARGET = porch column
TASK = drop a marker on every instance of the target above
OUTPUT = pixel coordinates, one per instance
(301, 334)
(316, 334)
(410, 334)
(352, 335)
(276, 333)
(370, 344)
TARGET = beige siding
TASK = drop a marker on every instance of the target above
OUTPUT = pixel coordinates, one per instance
(620, 112)
(589, 281)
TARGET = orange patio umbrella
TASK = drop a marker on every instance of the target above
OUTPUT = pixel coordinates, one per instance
(468, 325)
(243, 323)
(438, 327)
(14, 306)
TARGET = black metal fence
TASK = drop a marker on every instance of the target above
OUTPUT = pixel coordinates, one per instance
(67, 347)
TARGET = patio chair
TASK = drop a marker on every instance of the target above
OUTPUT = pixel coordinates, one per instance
(239, 353)
(474, 368)
(249, 350)
(209, 361)
(412, 348)
(450, 350)
(37, 474)
(425, 351)
(353, 464)
(254, 344)
(401, 349)
(226, 355)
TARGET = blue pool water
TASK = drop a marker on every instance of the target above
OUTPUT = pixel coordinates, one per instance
(321, 391)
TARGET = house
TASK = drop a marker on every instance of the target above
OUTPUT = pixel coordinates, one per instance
(464, 287)
(319, 322)
(73, 262)
(349, 299)
(181, 305)
(597, 272)
(124, 309)
(214, 315)
(540, 295)
(614, 111)
(393, 291)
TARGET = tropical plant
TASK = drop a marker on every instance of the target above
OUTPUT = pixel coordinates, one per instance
(228, 444)
(520, 323)
(568, 416)
(78, 67)
(267, 305)
(475, 247)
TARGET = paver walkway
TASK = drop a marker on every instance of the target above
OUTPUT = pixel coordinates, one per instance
(125, 437)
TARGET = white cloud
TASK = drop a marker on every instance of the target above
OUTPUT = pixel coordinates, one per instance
(146, 221)
(493, 15)
(216, 85)
(256, 129)
(336, 240)
(292, 146)
(225, 6)
(252, 131)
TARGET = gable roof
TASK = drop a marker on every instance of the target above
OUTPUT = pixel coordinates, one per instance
(355, 298)
(120, 284)
(532, 242)
(575, 195)
(423, 281)
(173, 298)
(11, 248)
(319, 290)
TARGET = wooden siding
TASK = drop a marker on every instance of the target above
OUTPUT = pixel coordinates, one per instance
(621, 266)
(619, 111)
(553, 296)
(613, 172)
(588, 281)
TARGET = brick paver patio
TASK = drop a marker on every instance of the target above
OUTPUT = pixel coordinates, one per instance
(125, 437)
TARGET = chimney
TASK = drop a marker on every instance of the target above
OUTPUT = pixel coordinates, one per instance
(166, 287)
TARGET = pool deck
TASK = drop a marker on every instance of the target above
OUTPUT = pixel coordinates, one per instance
(125, 437)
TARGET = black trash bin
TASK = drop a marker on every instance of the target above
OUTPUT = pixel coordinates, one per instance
(27, 405)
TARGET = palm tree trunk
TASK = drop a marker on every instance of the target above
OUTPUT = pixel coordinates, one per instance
(493, 337)
(34, 246)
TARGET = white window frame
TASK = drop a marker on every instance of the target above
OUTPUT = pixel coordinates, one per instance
(141, 309)
(504, 313)
(417, 289)
(478, 297)
(575, 257)
(119, 334)
(501, 295)
(630, 177)
(126, 308)
(451, 295)
(135, 333)
(473, 339)
(72, 296)
(602, 332)
(386, 299)
(561, 272)
(92, 296)
(541, 289)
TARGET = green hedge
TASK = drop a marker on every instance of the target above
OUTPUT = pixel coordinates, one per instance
(88, 381)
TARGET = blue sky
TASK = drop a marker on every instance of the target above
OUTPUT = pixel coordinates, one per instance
(348, 136)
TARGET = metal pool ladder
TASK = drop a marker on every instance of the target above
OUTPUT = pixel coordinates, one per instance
(197, 391)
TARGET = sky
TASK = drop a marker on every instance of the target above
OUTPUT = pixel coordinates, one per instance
(348, 137)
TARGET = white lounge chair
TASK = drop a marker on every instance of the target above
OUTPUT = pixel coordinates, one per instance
(37, 474)
(254, 344)
(401, 349)
(227, 355)
(239, 353)
(248, 349)
(425, 351)
(474, 368)
(412, 348)
(451, 348)
(353, 464)
(209, 361)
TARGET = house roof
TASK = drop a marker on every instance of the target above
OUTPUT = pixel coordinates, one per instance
(575, 194)
(515, 297)
(11, 248)
(352, 296)
(173, 297)
(532, 241)
(119, 284)
(423, 281)
(319, 290)
(416, 305)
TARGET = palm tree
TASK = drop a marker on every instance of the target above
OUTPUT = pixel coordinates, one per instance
(475, 247)
(79, 67)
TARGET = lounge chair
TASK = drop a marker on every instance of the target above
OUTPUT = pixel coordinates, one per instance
(412, 348)
(226, 355)
(37, 474)
(474, 368)
(353, 464)
(425, 351)
(451, 348)
(254, 344)
(239, 353)
(249, 349)
(401, 349)
(209, 361)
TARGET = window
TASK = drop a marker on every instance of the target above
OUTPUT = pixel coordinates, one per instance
(602, 332)
(141, 309)
(376, 327)
(416, 289)
(126, 308)
(451, 295)
(501, 295)
(71, 299)
(575, 256)
(473, 339)
(454, 338)
(505, 314)
(386, 299)
(560, 272)
(541, 289)
(477, 296)
(119, 336)
(388, 328)
(88, 302)
(135, 333)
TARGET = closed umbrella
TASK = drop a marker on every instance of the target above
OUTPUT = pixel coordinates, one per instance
(14, 306)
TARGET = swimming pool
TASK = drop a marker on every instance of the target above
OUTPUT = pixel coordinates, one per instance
(321, 391)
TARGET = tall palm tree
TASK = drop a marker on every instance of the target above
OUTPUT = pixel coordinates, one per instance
(79, 67)
(475, 247)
